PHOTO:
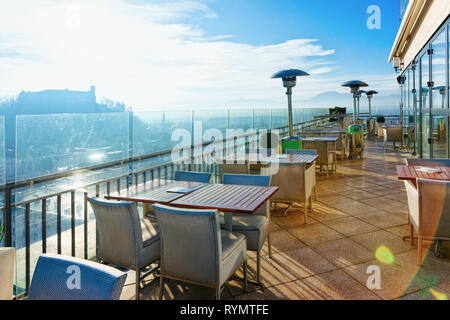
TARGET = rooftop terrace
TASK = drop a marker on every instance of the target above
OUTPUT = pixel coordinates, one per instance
(357, 210)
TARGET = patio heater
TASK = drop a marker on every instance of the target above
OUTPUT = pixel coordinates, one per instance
(441, 123)
(289, 78)
(441, 90)
(358, 97)
(371, 127)
(401, 82)
(354, 86)
(355, 130)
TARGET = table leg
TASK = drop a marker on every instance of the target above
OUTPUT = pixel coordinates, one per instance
(228, 221)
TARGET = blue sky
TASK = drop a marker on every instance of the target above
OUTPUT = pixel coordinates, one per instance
(154, 54)
(339, 25)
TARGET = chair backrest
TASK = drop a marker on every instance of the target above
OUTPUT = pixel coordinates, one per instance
(413, 202)
(303, 151)
(428, 162)
(251, 180)
(233, 168)
(191, 176)
(7, 259)
(246, 179)
(191, 246)
(393, 133)
(321, 147)
(119, 231)
(295, 182)
(58, 277)
(434, 205)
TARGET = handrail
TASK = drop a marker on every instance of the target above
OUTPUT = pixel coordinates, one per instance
(72, 172)
(80, 193)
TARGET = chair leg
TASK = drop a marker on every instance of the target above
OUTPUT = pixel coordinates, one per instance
(161, 287)
(419, 250)
(315, 192)
(269, 244)
(138, 285)
(258, 266)
(437, 248)
(218, 293)
(245, 277)
(310, 204)
(411, 233)
(306, 210)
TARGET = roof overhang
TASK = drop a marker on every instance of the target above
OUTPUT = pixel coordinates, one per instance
(408, 22)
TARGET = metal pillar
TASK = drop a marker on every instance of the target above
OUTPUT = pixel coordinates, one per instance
(291, 123)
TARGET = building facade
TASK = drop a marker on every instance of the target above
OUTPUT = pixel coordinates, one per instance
(421, 56)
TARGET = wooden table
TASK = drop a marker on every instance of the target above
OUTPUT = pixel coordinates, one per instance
(411, 173)
(155, 191)
(320, 138)
(227, 198)
(254, 158)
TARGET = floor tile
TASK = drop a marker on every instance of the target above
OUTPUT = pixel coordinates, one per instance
(334, 285)
(350, 226)
(344, 252)
(315, 233)
(301, 263)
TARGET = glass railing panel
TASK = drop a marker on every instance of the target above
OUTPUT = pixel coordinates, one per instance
(298, 114)
(210, 125)
(262, 119)
(279, 118)
(2, 179)
(58, 143)
(157, 131)
(241, 122)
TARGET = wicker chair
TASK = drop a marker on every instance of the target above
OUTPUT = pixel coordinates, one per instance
(254, 226)
(393, 134)
(96, 282)
(295, 183)
(124, 239)
(429, 212)
(326, 158)
(305, 151)
(195, 250)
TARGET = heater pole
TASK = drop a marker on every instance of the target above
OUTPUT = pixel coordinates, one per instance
(357, 115)
(354, 110)
(370, 106)
(291, 125)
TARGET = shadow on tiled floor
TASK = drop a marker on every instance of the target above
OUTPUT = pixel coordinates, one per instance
(360, 208)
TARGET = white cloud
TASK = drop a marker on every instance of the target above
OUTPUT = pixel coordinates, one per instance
(147, 54)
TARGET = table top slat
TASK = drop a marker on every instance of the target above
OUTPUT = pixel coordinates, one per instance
(410, 173)
(254, 158)
(153, 191)
(234, 198)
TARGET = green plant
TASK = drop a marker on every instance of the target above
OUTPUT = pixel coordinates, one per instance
(381, 119)
(336, 110)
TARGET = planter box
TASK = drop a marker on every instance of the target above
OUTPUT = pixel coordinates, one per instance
(380, 129)
(7, 256)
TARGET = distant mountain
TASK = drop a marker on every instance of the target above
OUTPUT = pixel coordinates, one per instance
(332, 98)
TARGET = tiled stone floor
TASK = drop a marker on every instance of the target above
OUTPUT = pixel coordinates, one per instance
(360, 208)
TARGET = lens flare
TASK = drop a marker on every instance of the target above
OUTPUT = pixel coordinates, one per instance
(438, 295)
(384, 255)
